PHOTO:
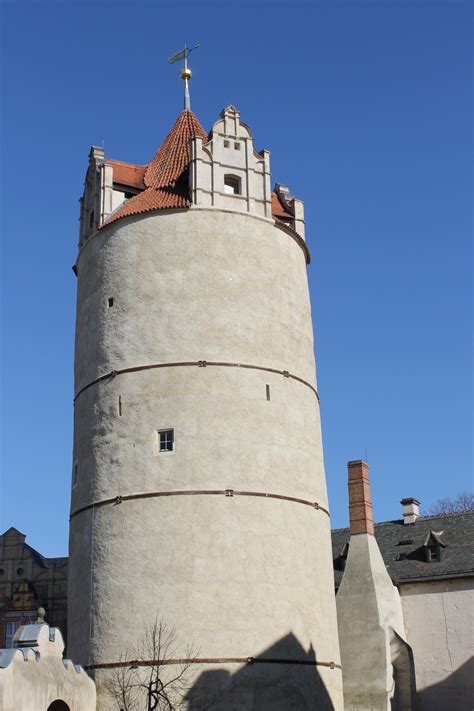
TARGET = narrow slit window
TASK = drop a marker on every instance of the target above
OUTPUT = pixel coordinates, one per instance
(110, 301)
(75, 475)
(165, 440)
(120, 406)
(267, 388)
(232, 185)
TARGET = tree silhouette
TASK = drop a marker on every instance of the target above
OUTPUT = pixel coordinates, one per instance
(464, 501)
(152, 676)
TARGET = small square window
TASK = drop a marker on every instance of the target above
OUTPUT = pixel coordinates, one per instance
(226, 144)
(165, 440)
(237, 146)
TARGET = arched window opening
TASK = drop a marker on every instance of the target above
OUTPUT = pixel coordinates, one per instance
(58, 705)
(232, 185)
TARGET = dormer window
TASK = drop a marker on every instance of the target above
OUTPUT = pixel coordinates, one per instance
(434, 542)
(232, 185)
(432, 552)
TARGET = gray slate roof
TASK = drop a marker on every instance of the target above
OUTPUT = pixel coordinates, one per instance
(406, 561)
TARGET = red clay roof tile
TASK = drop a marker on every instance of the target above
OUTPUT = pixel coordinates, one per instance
(278, 210)
(165, 177)
(127, 174)
(173, 157)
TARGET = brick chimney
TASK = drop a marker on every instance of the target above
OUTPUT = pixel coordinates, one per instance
(360, 502)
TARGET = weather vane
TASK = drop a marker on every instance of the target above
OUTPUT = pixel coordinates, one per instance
(185, 72)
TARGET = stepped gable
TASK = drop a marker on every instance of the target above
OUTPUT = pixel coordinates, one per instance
(165, 178)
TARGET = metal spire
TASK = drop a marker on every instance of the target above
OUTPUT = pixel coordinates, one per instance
(185, 72)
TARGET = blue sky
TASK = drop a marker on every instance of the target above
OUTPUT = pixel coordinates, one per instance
(366, 108)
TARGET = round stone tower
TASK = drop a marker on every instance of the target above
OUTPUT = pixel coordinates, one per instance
(199, 494)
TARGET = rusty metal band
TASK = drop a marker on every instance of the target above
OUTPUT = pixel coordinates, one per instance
(116, 500)
(198, 364)
(133, 663)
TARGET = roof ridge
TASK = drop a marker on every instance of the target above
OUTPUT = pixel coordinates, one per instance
(123, 162)
(173, 156)
(163, 177)
(445, 515)
(420, 518)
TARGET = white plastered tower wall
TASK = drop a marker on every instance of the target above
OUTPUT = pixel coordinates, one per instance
(211, 323)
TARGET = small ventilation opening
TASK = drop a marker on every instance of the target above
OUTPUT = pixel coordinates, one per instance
(267, 388)
(110, 301)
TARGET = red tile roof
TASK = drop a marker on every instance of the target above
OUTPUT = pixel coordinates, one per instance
(172, 158)
(165, 177)
(127, 174)
(278, 210)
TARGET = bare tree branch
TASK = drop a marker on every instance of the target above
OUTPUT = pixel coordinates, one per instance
(149, 682)
(464, 501)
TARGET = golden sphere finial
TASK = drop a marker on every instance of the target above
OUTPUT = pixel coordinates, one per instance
(185, 73)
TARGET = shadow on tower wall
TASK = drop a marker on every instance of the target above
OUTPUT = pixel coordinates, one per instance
(265, 684)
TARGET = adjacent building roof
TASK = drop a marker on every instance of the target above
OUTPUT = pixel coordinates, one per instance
(279, 211)
(127, 174)
(403, 548)
(13, 537)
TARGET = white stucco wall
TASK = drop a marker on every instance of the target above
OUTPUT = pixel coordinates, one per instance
(369, 612)
(439, 622)
(230, 151)
(234, 574)
(33, 677)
